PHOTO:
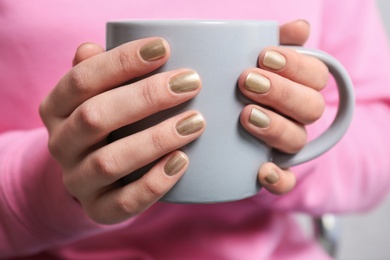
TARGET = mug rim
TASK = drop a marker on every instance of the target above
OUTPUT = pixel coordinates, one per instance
(184, 22)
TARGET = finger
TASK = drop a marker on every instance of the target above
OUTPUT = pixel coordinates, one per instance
(276, 180)
(122, 203)
(92, 121)
(86, 51)
(274, 129)
(294, 33)
(122, 157)
(103, 72)
(294, 100)
(297, 67)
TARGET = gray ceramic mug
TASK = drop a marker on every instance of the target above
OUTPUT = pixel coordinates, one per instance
(225, 160)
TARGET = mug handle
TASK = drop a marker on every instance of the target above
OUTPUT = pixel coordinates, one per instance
(340, 124)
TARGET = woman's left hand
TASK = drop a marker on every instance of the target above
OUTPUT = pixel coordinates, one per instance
(285, 90)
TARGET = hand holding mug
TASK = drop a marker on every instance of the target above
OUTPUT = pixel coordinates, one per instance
(287, 82)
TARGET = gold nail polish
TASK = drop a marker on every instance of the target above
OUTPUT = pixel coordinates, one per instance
(175, 164)
(184, 82)
(153, 50)
(272, 177)
(274, 60)
(257, 83)
(190, 125)
(259, 118)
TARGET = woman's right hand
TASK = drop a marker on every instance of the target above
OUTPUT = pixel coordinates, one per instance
(87, 105)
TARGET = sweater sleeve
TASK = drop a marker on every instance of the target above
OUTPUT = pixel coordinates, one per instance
(36, 212)
(355, 174)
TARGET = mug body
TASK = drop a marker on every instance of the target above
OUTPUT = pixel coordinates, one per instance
(224, 161)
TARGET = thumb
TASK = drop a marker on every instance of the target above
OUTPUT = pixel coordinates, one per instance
(85, 51)
(294, 33)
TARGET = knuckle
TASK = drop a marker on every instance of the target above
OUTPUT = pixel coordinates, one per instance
(123, 207)
(295, 142)
(152, 189)
(45, 113)
(159, 141)
(274, 134)
(295, 146)
(316, 111)
(96, 212)
(77, 83)
(285, 95)
(96, 217)
(43, 109)
(54, 149)
(89, 116)
(323, 77)
(299, 68)
(125, 61)
(72, 185)
(69, 184)
(288, 139)
(105, 166)
(148, 92)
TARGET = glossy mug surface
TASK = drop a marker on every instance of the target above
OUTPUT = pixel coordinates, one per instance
(225, 159)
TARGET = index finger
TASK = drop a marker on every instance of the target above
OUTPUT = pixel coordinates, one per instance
(105, 71)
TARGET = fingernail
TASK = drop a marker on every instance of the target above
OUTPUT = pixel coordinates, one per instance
(153, 50)
(257, 83)
(190, 125)
(274, 60)
(175, 164)
(184, 82)
(259, 118)
(272, 177)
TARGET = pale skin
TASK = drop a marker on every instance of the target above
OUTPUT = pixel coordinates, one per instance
(85, 103)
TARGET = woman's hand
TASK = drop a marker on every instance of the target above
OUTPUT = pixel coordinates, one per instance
(86, 106)
(286, 91)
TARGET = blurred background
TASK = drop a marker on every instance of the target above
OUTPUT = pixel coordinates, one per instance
(367, 236)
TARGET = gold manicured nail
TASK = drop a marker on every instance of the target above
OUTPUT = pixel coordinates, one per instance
(184, 82)
(259, 118)
(175, 164)
(153, 50)
(190, 125)
(257, 83)
(272, 177)
(274, 60)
